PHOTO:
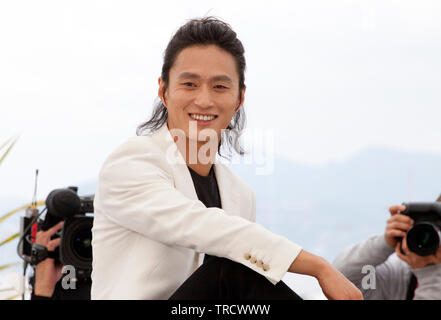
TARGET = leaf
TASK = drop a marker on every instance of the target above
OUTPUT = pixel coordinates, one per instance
(5, 143)
(9, 148)
(7, 215)
(13, 297)
(16, 235)
(9, 265)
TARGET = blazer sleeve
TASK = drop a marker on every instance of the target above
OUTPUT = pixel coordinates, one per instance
(136, 192)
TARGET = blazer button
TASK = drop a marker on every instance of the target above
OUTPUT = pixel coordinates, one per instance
(253, 260)
(247, 256)
(265, 267)
(260, 263)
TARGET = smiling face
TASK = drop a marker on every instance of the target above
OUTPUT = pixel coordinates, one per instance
(203, 87)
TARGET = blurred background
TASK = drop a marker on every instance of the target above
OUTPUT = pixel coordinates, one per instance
(343, 104)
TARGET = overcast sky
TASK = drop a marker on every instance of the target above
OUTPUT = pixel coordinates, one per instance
(327, 78)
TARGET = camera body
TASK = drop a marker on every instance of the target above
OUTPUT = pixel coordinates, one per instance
(424, 238)
(75, 247)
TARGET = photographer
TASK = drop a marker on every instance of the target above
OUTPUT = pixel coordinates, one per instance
(399, 273)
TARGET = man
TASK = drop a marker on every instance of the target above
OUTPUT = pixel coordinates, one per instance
(398, 275)
(163, 201)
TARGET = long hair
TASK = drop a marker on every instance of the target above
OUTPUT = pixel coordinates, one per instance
(203, 31)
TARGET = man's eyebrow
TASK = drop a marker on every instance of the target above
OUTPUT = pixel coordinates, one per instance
(190, 75)
(224, 78)
(186, 75)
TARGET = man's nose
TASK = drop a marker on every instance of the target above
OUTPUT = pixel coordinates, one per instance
(203, 97)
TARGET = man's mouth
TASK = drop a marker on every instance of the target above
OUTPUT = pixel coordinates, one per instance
(202, 117)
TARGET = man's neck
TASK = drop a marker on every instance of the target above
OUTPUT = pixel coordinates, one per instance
(201, 169)
(201, 162)
(198, 160)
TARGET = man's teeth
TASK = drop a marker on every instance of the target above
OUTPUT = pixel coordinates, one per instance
(202, 117)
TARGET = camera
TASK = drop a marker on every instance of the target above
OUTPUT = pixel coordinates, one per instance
(424, 238)
(75, 247)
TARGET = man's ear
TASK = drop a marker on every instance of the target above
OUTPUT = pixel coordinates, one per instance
(242, 99)
(161, 91)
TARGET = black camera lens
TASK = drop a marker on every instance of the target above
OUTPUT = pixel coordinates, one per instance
(76, 247)
(82, 243)
(423, 238)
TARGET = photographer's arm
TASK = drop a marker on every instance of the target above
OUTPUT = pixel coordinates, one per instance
(354, 263)
(374, 252)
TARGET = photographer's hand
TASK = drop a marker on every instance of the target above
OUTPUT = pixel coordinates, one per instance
(47, 273)
(415, 261)
(397, 225)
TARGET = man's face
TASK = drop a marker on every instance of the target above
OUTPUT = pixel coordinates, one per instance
(203, 87)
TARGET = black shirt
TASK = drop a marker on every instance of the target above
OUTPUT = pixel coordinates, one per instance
(207, 191)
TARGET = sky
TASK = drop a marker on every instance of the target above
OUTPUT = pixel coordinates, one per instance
(324, 79)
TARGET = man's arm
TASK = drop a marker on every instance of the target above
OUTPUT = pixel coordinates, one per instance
(134, 192)
(137, 193)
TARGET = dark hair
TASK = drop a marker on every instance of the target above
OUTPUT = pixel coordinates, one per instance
(203, 31)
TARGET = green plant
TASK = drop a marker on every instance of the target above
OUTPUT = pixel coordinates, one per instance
(11, 145)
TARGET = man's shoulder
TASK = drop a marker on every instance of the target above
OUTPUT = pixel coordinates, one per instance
(134, 145)
(136, 149)
(137, 143)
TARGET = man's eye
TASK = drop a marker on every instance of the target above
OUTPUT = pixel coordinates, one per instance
(219, 86)
(189, 84)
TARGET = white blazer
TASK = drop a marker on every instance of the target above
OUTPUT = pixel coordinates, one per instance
(150, 231)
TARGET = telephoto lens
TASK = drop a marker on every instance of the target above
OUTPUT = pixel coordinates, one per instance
(424, 238)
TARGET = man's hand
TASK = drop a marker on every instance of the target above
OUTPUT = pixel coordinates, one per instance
(415, 261)
(47, 273)
(397, 225)
(334, 285)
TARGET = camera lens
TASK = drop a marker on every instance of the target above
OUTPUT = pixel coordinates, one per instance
(423, 238)
(82, 243)
(76, 246)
